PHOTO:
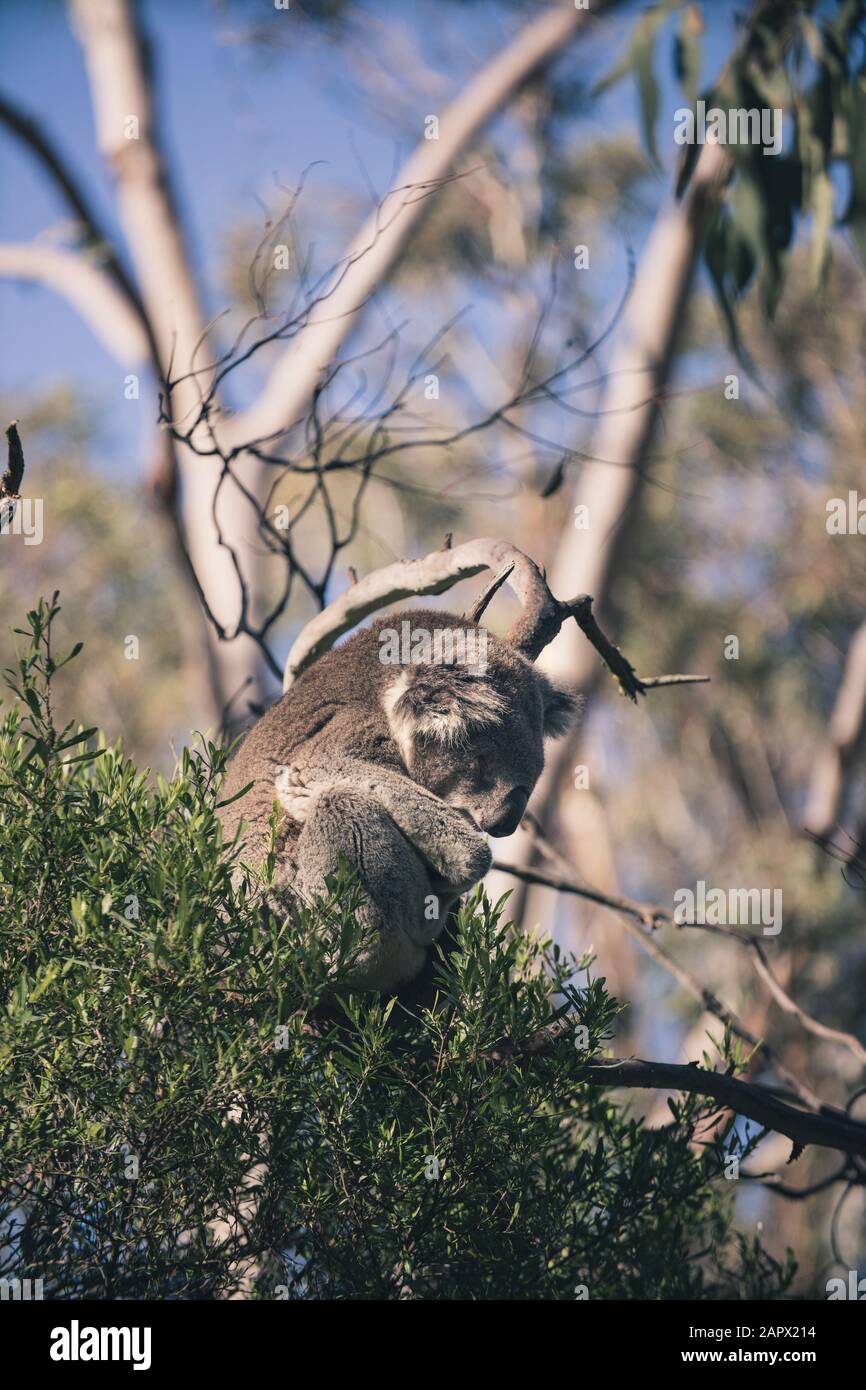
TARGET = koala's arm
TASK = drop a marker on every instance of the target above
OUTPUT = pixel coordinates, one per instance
(445, 838)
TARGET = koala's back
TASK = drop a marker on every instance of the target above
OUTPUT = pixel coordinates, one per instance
(331, 714)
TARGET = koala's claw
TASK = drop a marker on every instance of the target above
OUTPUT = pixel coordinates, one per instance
(479, 860)
(464, 863)
(294, 797)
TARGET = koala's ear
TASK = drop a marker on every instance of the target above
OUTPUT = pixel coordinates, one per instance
(439, 703)
(561, 710)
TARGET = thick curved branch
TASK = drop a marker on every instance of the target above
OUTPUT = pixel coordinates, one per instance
(383, 236)
(829, 1129)
(432, 574)
(87, 287)
(540, 619)
(118, 67)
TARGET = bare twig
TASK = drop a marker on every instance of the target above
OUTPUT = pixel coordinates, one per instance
(630, 683)
(481, 604)
(653, 917)
(380, 240)
(787, 1004)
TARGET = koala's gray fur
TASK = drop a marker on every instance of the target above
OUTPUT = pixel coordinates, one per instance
(400, 769)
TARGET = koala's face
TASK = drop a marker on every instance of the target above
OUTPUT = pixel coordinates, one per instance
(477, 740)
(491, 778)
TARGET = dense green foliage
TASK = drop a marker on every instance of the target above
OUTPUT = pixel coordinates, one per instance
(797, 59)
(172, 1112)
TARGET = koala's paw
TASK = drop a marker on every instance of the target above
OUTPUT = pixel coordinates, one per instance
(294, 797)
(470, 862)
(482, 859)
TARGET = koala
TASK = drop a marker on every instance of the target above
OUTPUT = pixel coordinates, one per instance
(402, 769)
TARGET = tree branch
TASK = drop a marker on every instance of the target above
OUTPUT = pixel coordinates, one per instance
(652, 917)
(541, 618)
(432, 574)
(217, 520)
(610, 486)
(845, 733)
(162, 472)
(787, 1004)
(630, 683)
(830, 1129)
(827, 1127)
(89, 290)
(566, 881)
(28, 130)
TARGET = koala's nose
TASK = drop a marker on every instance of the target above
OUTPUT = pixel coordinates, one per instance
(511, 814)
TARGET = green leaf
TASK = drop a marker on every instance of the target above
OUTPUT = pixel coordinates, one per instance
(76, 738)
(687, 52)
(638, 59)
(71, 655)
(237, 796)
(47, 979)
(647, 88)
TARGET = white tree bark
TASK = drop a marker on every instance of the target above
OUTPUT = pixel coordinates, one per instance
(126, 136)
(845, 733)
(639, 370)
(105, 310)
